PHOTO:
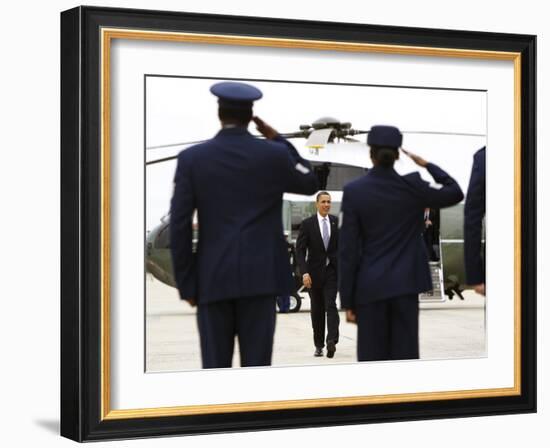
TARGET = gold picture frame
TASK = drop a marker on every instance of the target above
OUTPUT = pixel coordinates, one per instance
(86, 269)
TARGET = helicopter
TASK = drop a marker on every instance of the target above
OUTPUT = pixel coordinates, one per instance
(337, 158)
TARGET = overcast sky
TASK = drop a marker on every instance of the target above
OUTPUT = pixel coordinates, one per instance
(183, 110)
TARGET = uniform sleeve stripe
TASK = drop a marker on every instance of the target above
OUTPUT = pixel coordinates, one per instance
(301, 168)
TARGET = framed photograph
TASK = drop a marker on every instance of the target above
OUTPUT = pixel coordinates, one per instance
(135, 93)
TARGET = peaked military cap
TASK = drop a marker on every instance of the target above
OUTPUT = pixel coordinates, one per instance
(236, 95)
(388, 136)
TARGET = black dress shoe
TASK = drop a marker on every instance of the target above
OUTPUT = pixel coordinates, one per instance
(318, 352)
(331, 349)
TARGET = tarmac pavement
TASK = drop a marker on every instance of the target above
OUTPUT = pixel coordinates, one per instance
(453, 329)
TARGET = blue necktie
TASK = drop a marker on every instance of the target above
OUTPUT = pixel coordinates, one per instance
(326, 238)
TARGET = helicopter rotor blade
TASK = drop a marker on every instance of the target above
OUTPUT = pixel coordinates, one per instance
(462, 134)
(299, 134)
(171, 145)
(307, 133)
(164, 159)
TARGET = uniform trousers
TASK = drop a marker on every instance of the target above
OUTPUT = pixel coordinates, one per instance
(323, 303)
(388, 329)
(251, 319)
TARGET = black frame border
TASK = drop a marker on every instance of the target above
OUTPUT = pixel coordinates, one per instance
(81, 223)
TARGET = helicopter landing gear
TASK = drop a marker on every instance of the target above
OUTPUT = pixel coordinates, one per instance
(295, 303)
(292, 305)
(451, 292)
(454, 289)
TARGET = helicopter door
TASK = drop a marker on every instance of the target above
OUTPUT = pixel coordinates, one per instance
(437, 294)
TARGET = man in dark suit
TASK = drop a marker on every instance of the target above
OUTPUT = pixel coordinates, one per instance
(383, 264)
(235, 182)
(431, 232)
(474, 212)
(316, 253)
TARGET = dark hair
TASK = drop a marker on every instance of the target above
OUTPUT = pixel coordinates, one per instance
(322, 193)
(385, 156)
(240, 117)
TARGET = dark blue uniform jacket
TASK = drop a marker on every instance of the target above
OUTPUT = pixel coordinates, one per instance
(236, 183)
(381, 250)
(474, 212)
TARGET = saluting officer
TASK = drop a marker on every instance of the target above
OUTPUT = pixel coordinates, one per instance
(382, 256)
(474, 212)
(235, 182)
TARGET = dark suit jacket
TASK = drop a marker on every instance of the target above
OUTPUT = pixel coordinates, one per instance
(310, 250)
(432, 232)
(236, 183)
(474, 211)
(381, 250)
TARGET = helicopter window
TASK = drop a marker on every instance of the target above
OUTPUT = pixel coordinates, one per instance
(334, 176)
